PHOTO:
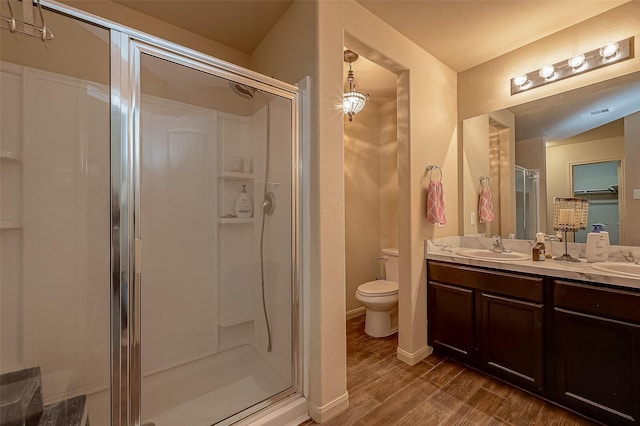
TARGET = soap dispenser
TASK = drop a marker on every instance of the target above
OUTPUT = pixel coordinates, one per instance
(597, 246)
(244, 207)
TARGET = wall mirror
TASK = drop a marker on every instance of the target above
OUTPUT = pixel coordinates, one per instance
(583, 143)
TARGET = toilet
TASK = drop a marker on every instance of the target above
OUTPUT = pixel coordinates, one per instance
(380, 298)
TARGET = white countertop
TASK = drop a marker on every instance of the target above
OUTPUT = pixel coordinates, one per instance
(444, 249)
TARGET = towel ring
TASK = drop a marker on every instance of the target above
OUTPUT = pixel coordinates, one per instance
(430, 169)
(484, 180)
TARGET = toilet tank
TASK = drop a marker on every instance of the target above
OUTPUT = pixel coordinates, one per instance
(391, 264)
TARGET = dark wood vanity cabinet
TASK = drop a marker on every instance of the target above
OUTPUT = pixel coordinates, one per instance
(598, 351)
(452, 329)
(574, 343)
(491, 320)
(511, 340)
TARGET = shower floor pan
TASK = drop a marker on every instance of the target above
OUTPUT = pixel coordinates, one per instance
(201, 392)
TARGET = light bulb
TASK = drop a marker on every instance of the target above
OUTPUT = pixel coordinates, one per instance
(576, 61)
(520, 80)
(609, 50)
(547, 71)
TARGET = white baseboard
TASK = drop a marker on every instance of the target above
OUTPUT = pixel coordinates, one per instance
(330, 410)
(414, 358)
(356, 312)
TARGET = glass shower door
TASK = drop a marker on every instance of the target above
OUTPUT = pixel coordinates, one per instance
(216, 289)
(527, 203)
(54, 221)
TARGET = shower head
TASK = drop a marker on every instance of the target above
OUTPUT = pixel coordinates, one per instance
(246, 92)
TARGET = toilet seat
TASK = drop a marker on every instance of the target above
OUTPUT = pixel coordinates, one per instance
(378, 288)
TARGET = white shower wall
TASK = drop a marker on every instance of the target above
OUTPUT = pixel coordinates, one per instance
(201, 266)
(56, 304)
(178, 198)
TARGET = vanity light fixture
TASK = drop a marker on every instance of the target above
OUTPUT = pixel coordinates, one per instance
(579, 63)
(352, 100)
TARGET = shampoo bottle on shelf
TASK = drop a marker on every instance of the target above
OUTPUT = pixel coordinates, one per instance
(597, 244)
(244, 207)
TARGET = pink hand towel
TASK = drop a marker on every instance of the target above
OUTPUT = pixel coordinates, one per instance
(436, 212)
(485, 206)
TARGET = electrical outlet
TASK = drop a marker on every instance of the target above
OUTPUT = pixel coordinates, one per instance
(636, 194)
(473, 218)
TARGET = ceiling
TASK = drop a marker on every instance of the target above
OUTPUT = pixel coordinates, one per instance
(460, 33)
(466, 33)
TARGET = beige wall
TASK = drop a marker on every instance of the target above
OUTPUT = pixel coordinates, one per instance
(362, 200)
(631, 229)
(371, 194)
(489, 151)
(389, 174)
(560, 158)
(427, 134)
(475, 163)
(289, 51)
(506, 159)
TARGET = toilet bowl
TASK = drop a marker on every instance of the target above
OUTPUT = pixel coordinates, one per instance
(380, 299)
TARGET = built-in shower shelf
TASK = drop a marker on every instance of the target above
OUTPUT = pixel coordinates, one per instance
(234, 220)
(230, 322)
(10, 224)
(236, 175)
(10, 156)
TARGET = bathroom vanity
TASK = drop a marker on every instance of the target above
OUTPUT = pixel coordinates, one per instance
(568, 333)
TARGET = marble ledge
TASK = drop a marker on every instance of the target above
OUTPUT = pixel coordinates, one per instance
(444, 249)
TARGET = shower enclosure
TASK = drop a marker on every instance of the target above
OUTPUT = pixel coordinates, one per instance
(132, 286)
(527, 203)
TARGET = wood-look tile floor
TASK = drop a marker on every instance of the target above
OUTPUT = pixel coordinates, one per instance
(436, 391)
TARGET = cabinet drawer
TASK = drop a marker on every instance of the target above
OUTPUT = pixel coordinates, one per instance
(503, 283)
(605, 302)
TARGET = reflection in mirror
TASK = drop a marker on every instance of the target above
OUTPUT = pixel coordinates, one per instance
(581, 143)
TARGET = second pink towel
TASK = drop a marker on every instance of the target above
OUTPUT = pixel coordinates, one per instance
(485, 206)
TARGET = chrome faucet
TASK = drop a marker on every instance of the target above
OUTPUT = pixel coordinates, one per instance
(497, 245)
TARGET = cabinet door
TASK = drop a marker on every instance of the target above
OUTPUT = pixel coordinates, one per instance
(598, 366)
(511, 344)
(450, 325)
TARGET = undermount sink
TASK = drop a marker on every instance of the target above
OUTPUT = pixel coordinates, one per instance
(624, 268)
(491, 255)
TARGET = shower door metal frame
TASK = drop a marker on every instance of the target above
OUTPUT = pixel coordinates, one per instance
(211, 66)
(126, 46)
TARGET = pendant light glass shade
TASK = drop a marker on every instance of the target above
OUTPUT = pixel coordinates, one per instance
(353, 102)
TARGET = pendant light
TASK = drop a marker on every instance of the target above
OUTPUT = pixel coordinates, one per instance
(352, 100)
